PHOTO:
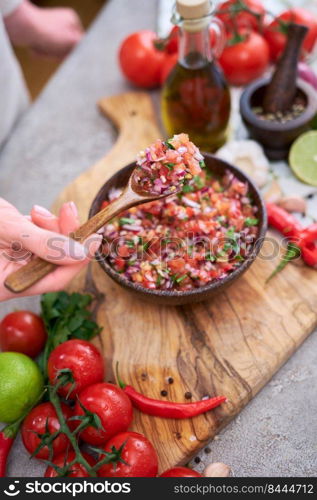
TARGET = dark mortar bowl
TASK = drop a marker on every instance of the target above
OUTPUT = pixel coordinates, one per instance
(173, 298)
(276, 138)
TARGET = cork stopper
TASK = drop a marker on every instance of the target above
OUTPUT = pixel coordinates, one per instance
(193, 9)
(194, 14)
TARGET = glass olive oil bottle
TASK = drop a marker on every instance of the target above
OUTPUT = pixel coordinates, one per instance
(195, 97)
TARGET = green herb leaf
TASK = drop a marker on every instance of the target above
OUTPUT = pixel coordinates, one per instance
(65, 316)
(168, 144)
(129, 243)
(187, 188)
(199, 182)
(181, 278)
(249, 221)
(170, 166)
(158, 280)
(202, 164)
(126, 220)
(210, 257)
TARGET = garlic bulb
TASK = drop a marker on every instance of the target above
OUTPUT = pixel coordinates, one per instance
(293, 204)
(247, 155)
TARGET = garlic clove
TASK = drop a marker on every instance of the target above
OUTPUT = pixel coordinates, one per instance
(293, 204)
(249, 156)
(217, 469)
(274, 193)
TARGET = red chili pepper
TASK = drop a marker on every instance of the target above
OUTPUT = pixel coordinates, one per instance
(290, 226)
(167, 409)
(309, 234)
(309, 254)
(283, 221)
(7, 437)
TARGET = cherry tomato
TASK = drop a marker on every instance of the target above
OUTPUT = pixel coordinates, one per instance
(42, 420)
(140, 61)
(112, 406)
(139, 454)
(245, 60)
(275, 32)
(78, 470)
(168, 65)
(180, 472)
(82, 358)
(233, 20)
(22, 331)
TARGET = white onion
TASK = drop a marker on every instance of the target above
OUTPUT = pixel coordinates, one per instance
(190, 203)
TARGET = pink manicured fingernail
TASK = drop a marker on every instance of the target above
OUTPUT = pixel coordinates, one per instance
(42, 211)
(73, 208)
(74, 249)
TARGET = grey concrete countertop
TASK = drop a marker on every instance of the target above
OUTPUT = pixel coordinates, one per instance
(61, 135)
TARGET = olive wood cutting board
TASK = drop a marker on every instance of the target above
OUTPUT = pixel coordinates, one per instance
(231, 345)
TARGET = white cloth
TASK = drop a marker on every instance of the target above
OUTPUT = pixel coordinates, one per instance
(14, 98)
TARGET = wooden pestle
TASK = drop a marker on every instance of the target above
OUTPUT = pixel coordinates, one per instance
(281, 91)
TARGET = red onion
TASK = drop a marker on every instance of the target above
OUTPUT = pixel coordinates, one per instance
(306, 73)
(190, 203)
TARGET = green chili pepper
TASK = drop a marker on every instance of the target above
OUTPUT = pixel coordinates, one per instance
(292, 252)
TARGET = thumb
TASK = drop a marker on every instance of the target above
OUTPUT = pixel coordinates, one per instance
(51, 246)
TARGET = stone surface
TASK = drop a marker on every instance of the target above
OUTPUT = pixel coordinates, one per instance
(63, 134)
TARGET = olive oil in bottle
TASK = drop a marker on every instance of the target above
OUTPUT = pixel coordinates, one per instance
(195, 97)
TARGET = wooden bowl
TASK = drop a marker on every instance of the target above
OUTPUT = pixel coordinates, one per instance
(276, 138)
(173, 298)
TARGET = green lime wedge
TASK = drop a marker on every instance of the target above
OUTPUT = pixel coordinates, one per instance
(303, 157)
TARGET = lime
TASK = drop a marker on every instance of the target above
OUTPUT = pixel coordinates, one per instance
(303, 157)
(21, 384)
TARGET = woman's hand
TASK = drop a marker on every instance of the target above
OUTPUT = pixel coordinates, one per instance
(47, 31)
(42, 234)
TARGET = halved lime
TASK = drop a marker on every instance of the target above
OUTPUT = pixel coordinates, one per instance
(303, 157)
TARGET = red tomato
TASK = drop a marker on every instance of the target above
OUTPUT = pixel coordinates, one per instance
(82, 358)
(119, 263)
(232, 20)
(180, 472)
(124, 251)
(22, 331)
(140, 61)
(139, 454)
(275, 33)
(112, 406)
(104, 204)
(246, 60)
(168, 65)
(78, 470)
(41, 420)
(172, 54)
(172, 45)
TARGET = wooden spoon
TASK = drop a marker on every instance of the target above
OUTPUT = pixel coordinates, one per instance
(37, 268)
